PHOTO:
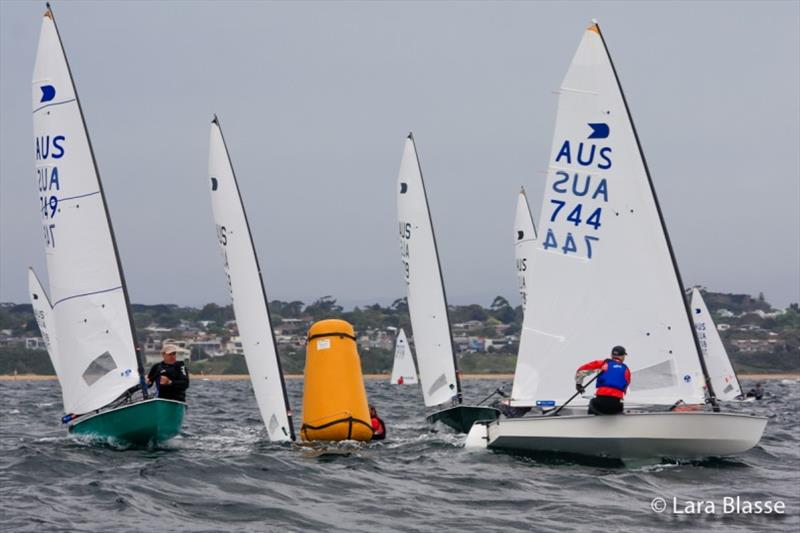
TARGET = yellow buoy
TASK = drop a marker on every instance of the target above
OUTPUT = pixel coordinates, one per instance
(334, 399)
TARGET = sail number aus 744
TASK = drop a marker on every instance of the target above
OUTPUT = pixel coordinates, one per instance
(575, 217)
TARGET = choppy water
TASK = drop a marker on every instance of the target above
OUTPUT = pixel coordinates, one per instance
(221, 473)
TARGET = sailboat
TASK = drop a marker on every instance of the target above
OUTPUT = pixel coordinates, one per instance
(247, 291)
(723, 377)
(404, 372)
(88, 327)
(524, 243)
(606, 275)
(427, 303)
(524, 249)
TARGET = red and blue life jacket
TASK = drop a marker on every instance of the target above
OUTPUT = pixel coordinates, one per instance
(614, 377)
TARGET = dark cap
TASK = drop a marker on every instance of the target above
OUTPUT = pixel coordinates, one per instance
(618, 350)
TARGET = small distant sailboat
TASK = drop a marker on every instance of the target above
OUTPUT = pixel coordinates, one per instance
(404, 372)
(88, 329)
(427, 303)
(524, 243)
(720, 370)
(605, 275)
(246, 286)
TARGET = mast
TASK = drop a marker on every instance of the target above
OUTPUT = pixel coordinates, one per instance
(459, 397)
(260, 281)
(712, 396)
(136, 346)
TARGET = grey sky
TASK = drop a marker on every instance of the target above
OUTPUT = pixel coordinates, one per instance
(315, 100)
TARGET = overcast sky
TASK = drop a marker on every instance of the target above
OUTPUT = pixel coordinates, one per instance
(315, 100)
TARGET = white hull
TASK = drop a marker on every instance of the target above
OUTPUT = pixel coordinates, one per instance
(635, 435)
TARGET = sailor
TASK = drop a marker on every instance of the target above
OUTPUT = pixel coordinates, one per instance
(378, 427)
(612, 382)
(170, 375)
(757, 392)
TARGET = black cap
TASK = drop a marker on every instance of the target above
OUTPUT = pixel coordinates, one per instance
(618, 350)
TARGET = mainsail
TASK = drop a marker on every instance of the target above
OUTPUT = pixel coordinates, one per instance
(427, 304)
(720, 370)
(96, 343)
(605, 274)
(247, 291)
(403, 362)
(524, 244)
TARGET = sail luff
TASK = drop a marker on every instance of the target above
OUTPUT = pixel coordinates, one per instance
(403, 366)
(136, 346)
(678, 279)
(723, 375)
(427, 303)
(460, 398)
(43, 312)
(90, 303)
(602, 261)
(525, 237)
(249, 331)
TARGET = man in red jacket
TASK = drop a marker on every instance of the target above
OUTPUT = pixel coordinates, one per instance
(378, 427)
(612, 382)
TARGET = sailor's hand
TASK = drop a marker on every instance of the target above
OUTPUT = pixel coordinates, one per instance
(580, 388)
(165, 380)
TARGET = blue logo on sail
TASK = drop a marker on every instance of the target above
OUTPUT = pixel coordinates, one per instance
(599, 130)
(48, 93)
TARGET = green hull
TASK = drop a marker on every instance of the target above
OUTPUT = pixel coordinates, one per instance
(140, 424)
(461, 417)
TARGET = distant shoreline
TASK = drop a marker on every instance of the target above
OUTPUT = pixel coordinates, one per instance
(368, 377)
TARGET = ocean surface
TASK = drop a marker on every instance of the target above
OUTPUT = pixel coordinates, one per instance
(222, 474)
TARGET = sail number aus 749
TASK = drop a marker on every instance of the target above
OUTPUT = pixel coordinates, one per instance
(47, 177)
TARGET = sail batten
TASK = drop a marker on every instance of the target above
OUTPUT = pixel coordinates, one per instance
(600, 207)
(427, 303)
(246, 287)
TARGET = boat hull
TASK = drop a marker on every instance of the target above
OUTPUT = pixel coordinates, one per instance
(461, 417)
(632, 435)
(140, 424)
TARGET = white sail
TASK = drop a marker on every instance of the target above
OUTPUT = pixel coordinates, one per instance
(90, 311)
(604, 270)
(524, 244)
(426, 299)
(403, 362)
(723, 378)
(43, 311)
(247, 290)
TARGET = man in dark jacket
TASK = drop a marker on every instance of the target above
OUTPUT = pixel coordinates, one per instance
(170, 376)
